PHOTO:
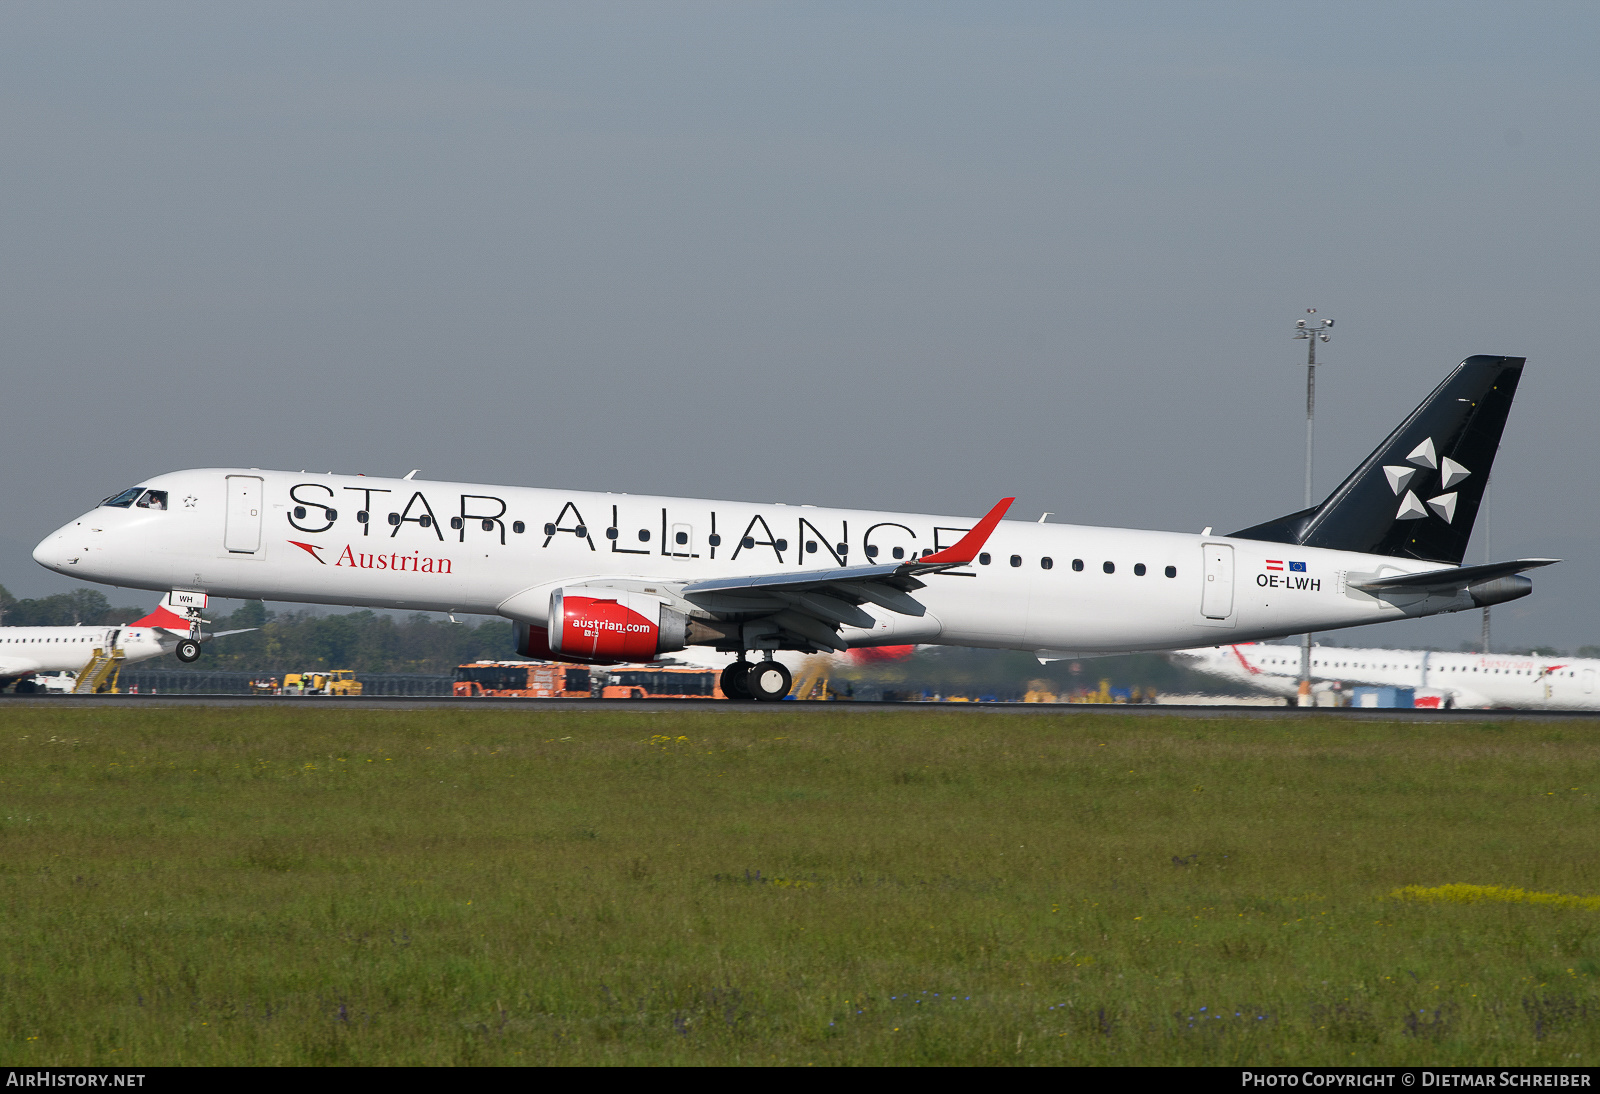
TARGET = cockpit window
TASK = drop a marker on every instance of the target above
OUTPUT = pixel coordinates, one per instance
(124, 499)
(153, 499)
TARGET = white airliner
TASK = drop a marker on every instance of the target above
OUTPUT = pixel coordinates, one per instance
(603, 578)
(26, 652)
(1466, 680)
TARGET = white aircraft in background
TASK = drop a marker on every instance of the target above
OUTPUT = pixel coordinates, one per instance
(1465, 680)
(26, 652)
(604, 578)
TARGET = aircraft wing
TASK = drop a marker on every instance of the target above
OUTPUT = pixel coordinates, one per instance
(1457, 577)
(815, 604)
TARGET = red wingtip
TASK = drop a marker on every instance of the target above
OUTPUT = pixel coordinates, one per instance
(164, 619)
(970, 544)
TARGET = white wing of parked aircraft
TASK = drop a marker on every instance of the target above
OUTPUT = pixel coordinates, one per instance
(1465, 680)
(605, 578)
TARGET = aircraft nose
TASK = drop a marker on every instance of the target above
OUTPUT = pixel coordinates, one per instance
(56, 552)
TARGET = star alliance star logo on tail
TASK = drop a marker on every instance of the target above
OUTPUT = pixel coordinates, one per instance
(1423, 458)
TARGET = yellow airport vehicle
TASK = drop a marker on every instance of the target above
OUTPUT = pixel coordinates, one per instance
(325, 682)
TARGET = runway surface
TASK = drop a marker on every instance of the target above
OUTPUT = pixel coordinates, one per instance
(715, 706)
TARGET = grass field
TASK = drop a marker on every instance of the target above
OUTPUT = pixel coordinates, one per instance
(270, 886)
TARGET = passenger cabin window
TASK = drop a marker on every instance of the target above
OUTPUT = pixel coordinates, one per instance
(1172, 571)
(983, 559)
(1138, 569)
(124, 499)
(1077, 564)
(1046, 562)
(1016, 560)
(1109, 567)
(153, 499)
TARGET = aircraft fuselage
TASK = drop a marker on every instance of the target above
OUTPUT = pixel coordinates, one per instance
(475, 548)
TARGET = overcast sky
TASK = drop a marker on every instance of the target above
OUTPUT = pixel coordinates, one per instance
(898, 256)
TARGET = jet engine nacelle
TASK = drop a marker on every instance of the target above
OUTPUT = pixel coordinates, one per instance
(604, 626)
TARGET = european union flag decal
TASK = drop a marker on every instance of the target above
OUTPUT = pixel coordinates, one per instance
(1297, 567)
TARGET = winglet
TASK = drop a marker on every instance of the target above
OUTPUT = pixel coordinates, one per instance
(967, 548)
(164, 619)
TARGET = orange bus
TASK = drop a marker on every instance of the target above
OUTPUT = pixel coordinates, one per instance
(675, 682)
(544, 680)
(523, 680)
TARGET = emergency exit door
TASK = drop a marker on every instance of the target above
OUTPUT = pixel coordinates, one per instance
(1216, 600)
(243, 530)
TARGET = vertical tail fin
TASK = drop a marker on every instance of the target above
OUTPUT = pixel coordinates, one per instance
(1418, 493)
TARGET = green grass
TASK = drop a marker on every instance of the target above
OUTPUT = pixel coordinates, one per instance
(270, 886)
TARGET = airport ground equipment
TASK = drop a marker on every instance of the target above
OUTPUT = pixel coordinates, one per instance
(547, 680)
(523, 680)
(328, 682)
(100, 674)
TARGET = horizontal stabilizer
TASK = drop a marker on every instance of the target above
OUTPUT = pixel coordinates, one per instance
(1458, 577)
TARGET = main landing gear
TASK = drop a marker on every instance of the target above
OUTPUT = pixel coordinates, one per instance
(767, 681)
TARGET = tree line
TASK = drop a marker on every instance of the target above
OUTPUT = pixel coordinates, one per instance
(292, 641)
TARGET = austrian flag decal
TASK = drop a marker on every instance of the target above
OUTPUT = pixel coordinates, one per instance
(1294, 567)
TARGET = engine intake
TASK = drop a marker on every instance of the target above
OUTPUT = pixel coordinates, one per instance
(598, 626)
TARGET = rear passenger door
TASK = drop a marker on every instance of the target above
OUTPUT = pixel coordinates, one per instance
(1216, 595)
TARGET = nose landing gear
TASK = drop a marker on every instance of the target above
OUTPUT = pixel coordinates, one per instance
(188, 651)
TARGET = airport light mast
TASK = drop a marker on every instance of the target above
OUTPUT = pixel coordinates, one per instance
(1486, 558)
(1311, 332)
